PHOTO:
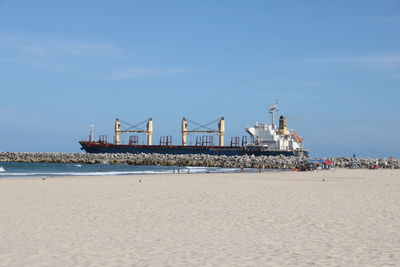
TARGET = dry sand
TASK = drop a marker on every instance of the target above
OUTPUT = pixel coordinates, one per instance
(287, 219)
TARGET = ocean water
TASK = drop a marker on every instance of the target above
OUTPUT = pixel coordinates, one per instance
(18, 169)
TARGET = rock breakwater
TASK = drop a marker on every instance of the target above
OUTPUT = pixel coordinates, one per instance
(199, 160)
(366, 163)
(246, 161)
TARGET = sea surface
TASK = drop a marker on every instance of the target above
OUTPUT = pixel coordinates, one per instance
(19, 169)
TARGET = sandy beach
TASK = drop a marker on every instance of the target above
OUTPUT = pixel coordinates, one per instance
(326, 218)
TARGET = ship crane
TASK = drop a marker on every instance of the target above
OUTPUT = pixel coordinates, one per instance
(134, 129)
(203, 128)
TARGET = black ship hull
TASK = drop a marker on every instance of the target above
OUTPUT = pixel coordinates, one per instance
(99, 147)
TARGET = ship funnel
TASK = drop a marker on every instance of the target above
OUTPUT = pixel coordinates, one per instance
(117, 129)
(149, 132)
(184, 131)
(283, 130)
(221, 131)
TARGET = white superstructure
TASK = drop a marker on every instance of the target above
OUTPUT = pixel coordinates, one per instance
(269, 137)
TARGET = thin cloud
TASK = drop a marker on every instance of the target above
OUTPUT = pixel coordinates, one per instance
(70, 48)
(388, 19)
(134, 73)
(49, 47)
(58, 55)
(377, 61)
(384, 63)
(34, 62)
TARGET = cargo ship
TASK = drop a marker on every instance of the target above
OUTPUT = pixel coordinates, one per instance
(262, 140)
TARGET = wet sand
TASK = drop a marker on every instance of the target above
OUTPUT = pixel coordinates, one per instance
(329, 218)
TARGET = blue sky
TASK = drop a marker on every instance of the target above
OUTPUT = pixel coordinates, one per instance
(333, 65)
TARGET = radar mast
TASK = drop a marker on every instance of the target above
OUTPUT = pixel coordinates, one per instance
(272, 110)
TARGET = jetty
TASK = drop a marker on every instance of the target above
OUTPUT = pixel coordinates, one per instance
(197, 160)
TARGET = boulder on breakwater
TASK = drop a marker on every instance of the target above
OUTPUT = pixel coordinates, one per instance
(366, 163)
(198, 160)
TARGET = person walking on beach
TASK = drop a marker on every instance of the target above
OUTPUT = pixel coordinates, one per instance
(261, 168)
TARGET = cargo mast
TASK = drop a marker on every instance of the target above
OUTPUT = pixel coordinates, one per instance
(203, 129)
(148, 131)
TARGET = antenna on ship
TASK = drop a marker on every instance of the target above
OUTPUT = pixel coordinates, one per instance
(91, 132)
(272, 110)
